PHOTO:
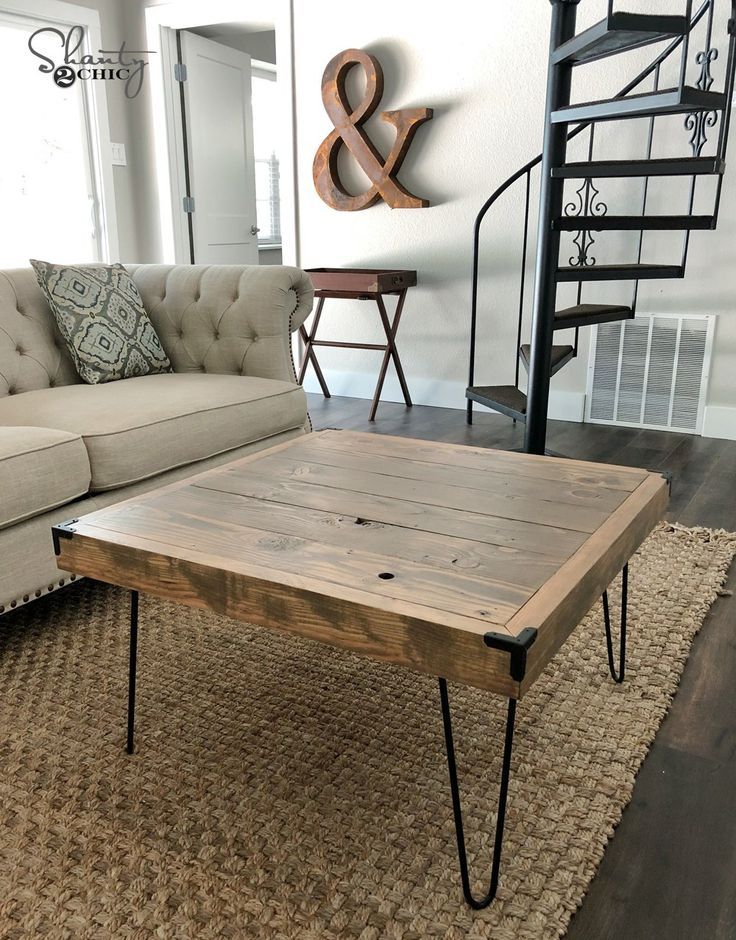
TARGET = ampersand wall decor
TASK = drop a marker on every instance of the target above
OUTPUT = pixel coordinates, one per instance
(348, 130)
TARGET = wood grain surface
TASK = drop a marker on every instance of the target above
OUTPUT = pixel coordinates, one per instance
(405, 551)
(680, 829)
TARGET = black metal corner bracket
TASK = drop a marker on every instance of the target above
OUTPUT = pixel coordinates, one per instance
(63, 530)
(667, 477)
(517, 646)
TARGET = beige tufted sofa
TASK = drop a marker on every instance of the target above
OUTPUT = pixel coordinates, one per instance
(67, 448)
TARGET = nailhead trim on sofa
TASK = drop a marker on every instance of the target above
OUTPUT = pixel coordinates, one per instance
(26, 597)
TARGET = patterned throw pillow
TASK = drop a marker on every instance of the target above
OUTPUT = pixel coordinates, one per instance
(103, 321)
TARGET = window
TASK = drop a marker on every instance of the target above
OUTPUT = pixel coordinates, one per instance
(51, 203)
(265, 135)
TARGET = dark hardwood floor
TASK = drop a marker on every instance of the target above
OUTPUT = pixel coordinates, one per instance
(670, 871)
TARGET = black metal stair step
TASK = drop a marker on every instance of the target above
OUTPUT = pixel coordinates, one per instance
(591, 315)
(671, 166)
(601, 223)
(504, 398)
(561, 355)
(620, 272)
(619, 32)
(669, 101)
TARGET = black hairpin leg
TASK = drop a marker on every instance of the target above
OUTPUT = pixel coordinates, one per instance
(132, 667)
(478, 903)
(617, 677)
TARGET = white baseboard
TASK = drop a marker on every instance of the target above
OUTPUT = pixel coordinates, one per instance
(566, 406)
(563, 406)
(719, 421)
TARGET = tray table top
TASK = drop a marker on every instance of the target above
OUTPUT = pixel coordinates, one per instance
(356, 282)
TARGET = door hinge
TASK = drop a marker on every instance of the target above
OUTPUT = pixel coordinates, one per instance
(188, 203)
(180, 72)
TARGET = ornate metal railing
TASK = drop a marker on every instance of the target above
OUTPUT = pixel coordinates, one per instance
(588, 200)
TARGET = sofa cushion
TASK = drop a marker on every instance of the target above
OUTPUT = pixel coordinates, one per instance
(102, 318)
(136, 428)
(40, 469)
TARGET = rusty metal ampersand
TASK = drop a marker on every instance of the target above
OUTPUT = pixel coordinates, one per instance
(349, 131)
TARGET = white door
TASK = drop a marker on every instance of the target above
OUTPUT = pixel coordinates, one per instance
(220, 152)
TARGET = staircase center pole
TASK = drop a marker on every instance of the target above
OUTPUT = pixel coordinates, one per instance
(559, 80)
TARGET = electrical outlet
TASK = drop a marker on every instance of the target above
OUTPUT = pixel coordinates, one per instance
(118, 155)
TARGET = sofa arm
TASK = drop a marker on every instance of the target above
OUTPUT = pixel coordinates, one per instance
(227, 319)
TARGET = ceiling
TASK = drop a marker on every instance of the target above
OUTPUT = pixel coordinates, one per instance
(234, 29)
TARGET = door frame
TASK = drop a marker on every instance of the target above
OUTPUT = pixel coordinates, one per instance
(161, 24)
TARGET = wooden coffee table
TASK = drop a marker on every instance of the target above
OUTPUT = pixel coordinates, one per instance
(470, 565)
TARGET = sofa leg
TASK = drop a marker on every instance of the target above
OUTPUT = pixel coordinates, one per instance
(132, 668)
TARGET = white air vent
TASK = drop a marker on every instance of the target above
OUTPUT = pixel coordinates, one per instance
(650, 372)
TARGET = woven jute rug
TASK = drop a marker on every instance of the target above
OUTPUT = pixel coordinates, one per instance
(282, 789)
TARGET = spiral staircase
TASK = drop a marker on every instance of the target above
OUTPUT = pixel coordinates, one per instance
(705, 105)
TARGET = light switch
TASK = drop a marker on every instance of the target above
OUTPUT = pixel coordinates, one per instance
(118, 155)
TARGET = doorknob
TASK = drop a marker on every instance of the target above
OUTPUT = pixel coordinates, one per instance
(254, 230)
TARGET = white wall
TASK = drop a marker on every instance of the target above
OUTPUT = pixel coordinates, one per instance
(482, 69)
(259, 44)
(466, 67)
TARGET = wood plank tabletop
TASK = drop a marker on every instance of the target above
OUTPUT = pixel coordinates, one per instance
(406, 551)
